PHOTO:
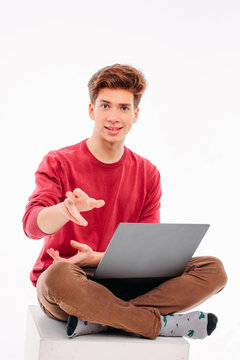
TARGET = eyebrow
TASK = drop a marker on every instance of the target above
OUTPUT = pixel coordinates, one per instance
(109, 102)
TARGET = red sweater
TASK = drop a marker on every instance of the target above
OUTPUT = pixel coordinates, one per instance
(130, 188)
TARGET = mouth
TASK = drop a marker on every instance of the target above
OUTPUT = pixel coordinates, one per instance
(113, 130)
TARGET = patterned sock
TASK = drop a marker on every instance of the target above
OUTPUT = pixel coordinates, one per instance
(77, 327)
(195, 325)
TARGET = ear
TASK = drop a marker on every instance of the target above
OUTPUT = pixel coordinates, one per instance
(136, 113)
(91, 111)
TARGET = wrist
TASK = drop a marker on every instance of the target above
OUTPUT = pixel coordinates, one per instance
(96, 258)
(64, 211)
(50, 219)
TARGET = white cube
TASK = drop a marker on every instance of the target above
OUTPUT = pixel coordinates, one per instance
(46, 339)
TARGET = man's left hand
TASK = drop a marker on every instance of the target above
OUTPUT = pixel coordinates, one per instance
(84, 257)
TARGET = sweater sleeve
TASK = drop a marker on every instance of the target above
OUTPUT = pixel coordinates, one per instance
(48, 192)
(151, 209)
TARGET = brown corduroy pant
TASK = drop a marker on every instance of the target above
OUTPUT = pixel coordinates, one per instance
(65, 289)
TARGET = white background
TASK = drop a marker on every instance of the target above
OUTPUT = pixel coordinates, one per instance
(189, 127)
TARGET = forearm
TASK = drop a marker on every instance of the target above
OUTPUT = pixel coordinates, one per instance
(51, 219)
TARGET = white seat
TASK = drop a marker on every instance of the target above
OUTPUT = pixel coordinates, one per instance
(46, 339)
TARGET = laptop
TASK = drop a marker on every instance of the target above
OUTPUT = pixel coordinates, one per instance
(148, 250)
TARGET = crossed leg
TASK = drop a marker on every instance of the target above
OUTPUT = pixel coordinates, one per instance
(64, 289)
(203, 277)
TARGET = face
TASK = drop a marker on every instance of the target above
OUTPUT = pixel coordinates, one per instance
(114, 114)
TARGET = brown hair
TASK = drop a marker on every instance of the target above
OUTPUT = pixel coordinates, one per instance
(118, 76)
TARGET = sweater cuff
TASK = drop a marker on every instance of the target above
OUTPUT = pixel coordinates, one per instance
(32, 230)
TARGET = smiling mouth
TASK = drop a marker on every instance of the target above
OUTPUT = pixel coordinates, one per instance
(113, 128)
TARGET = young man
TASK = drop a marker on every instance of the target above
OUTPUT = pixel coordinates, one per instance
(82, 193)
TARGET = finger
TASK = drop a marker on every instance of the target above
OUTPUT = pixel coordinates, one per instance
(70, 217)
(70, 196)
(74, 213)
(80, 247)
(53, 253)
(67, 213)
(75, 244)
(76, 259)
(80, 194)
(83, 249)
(96, 203)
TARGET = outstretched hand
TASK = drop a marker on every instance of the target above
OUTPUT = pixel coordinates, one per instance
(84, 257)
(76, 202)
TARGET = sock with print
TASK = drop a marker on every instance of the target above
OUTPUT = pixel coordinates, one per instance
(195, 325)
(77, 327)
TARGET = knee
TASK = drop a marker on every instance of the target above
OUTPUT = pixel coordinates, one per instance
(218, 273)
(57, 276)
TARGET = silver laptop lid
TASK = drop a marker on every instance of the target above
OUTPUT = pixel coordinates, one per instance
(144, 250)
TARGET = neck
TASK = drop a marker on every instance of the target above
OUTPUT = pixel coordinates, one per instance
(105, 151)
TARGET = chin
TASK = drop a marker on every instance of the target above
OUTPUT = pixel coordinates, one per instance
(114, 140)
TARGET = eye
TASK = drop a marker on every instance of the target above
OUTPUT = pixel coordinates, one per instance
(104, 106)
(124, 108)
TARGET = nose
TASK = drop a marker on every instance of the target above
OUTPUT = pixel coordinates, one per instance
(113, 116)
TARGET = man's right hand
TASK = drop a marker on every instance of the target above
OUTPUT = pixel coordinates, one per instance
(76, 202)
